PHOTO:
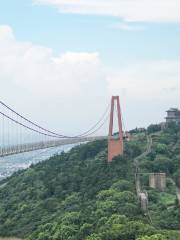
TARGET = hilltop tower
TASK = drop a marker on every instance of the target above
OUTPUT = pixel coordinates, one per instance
(115, 141)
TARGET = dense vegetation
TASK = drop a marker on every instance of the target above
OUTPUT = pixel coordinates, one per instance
(164, 157)
(79, 196)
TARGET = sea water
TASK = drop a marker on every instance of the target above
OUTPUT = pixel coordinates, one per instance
(13, 163)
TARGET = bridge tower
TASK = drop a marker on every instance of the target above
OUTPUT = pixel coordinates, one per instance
(115, 142)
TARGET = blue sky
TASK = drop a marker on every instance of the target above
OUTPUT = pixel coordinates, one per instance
(44, 25)
(133, 52)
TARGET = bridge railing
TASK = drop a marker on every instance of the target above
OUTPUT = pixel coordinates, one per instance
(21, 148)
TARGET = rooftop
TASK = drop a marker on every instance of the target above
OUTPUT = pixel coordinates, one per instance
(173, 110)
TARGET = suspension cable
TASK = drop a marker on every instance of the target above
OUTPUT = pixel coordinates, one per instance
(29, 121)
(51, 133)
(106, 119)
(25, 126)
(45, 134)
(101, 119)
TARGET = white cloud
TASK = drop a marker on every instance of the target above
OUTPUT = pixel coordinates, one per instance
(147, 79)
(70, 91)
(147, 89)
(128, 27)
(61, 91)
(6, 33)
(73, 58)
(128, 10)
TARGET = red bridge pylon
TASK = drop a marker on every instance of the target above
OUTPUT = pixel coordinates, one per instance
(115, 142)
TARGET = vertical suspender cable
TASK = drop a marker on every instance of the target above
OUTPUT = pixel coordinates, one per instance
(2, 135)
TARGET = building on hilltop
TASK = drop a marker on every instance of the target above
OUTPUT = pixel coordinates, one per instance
(173, 115)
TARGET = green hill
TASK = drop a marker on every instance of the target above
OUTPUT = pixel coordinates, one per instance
(78, 195)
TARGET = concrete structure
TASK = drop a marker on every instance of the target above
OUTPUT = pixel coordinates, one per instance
(173, 115)
(115, 142)
(157, 181)
(143, 201)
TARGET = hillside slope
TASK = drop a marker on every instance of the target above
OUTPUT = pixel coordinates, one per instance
(78, 195)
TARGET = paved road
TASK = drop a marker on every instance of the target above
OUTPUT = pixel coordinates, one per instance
(136, 164)
(177, 189)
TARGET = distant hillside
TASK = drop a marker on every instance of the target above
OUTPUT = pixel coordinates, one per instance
(79, 196)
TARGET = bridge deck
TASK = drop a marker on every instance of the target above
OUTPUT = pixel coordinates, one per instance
(16, 149)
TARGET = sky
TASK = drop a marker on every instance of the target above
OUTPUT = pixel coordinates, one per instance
(62, 60)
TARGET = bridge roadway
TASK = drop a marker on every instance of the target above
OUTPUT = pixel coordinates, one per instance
(22, 148)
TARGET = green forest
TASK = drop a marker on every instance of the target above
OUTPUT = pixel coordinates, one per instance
(80, 196)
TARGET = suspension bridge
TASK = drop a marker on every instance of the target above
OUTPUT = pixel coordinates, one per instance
(19, 134)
